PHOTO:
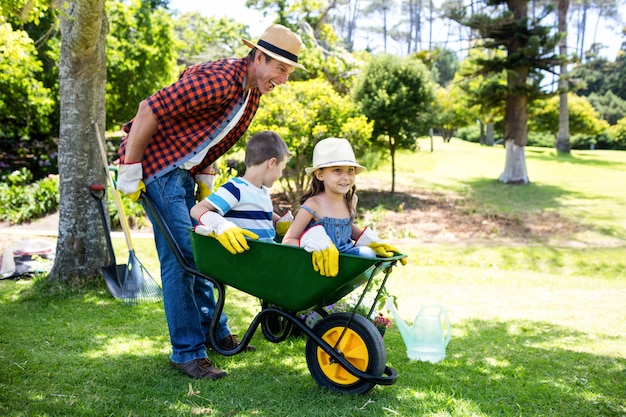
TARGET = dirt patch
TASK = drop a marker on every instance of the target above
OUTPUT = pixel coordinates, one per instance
(439, 217)
(431, 216)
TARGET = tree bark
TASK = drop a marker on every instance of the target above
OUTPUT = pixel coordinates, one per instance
(81, 249)
(563, 135)
(489, 136)
(515, 166)
(516, 108)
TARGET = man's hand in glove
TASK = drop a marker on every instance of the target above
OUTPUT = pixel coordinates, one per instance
(283, 223)
(369, 238)
(130, 180)
(325, 254)
(233, 238)
(204, 184)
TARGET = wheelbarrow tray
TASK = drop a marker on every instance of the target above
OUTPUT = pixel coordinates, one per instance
(280, 274)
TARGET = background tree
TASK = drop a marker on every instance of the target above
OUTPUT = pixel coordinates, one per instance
(397, 94)
(484, 93)
(583, 118)
(28, 87)
(202, 39)
(140, 57)
(303, 113)
(529, 50)
(381, 9)
(82, 81)
(562, 138)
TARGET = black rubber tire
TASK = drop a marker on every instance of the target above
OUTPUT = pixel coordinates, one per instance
(361, 333)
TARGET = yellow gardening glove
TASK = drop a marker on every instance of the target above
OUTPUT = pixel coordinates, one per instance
(369, 238)
(130, 180)
(204, 184)
(325, 256)
(230, 236)
(326, 262)
(283, 223)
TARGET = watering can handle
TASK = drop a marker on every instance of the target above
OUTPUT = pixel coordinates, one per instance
(444, 313)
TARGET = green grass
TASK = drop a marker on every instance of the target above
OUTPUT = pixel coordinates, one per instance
(537, 330)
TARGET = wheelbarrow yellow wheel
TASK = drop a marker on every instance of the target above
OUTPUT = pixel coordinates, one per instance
(361, 344)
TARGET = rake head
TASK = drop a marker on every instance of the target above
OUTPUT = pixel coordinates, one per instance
(139, 286)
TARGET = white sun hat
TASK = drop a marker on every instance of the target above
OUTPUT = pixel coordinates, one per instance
(333, 152)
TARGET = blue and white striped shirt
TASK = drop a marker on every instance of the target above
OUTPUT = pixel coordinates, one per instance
(247, 206)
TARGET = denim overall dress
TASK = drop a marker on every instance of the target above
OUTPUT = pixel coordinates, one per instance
(339, 231)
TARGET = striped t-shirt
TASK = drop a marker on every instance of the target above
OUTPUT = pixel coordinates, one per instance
(247, 206)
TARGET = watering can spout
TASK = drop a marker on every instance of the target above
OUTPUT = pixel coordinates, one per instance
(404, 328)
(427, 338)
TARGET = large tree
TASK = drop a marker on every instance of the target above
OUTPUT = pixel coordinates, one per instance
(562, 138)
(82, 80)
(505, 25)
(397, 94)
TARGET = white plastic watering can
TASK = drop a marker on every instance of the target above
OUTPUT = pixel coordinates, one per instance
(428, 338)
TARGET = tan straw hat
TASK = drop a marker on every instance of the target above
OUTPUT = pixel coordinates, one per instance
(333, 152)
(280, 43)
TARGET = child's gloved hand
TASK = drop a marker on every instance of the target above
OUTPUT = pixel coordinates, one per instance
(325, 254)
(283, 223)
(369, 238)
(233, 238)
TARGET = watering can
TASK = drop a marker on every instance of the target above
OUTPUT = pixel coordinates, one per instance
(428, 338)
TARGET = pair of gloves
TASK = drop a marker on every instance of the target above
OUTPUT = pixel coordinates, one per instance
(326, 256)
(130, 182)
(232, 237)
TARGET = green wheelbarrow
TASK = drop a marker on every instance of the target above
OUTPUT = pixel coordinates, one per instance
(344, 351)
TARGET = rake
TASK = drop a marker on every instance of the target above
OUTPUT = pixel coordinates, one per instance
(138, 285)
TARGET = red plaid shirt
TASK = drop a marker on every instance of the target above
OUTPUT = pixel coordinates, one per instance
(190, 114)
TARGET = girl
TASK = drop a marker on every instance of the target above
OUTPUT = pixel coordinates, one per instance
(328, 208)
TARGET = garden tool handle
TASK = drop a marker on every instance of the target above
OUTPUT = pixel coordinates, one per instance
(119, 205)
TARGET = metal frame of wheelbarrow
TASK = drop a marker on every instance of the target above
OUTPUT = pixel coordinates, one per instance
(389, 375)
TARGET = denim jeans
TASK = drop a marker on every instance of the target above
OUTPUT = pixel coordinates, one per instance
(189, 301)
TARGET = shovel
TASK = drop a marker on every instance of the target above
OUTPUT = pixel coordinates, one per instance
(113, 274)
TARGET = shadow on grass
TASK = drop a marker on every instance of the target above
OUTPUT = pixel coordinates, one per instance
(518, 368)
(579, 158)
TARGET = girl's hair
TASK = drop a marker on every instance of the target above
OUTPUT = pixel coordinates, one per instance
(265, 145)
(317, 187)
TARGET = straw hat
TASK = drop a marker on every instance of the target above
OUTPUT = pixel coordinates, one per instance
(333, 152)
(280, 43)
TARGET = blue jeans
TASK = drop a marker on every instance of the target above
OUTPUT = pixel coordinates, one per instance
(189, 301)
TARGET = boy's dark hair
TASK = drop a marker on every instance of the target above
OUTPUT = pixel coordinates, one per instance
(265, 145)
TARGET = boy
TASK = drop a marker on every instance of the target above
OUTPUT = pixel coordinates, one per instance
(243, 206)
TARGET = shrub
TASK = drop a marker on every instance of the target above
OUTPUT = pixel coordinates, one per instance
(541, 139)
(21, 201)
(469, 133)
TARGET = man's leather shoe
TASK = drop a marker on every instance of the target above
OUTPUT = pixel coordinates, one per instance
(199, 368)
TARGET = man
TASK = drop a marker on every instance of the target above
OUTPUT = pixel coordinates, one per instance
(177, 134)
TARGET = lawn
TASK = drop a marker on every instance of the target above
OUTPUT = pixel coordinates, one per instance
(538, 324)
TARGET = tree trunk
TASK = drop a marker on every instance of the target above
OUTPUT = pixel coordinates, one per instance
(516, 109)
(81, 249)
(515, 166)
(489, 136)
(563, 136)
(392, 152)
